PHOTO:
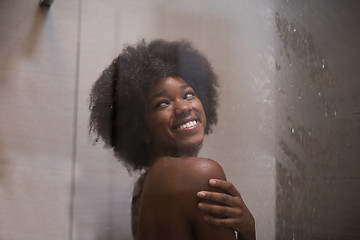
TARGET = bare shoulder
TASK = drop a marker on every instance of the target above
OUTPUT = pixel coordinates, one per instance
(205, 168)
(182, 178)
(198, 171)
(202, 165)
(170, 193)
(191, 172)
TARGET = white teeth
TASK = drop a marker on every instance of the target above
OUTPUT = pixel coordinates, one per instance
(188, 124)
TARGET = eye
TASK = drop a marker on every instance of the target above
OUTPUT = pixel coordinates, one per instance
(162, 104)
(189, 95)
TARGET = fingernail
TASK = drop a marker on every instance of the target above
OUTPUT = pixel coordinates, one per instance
(212, 181)
(201, 194)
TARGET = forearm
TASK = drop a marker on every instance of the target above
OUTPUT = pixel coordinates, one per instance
(246, 236)
(231, 207)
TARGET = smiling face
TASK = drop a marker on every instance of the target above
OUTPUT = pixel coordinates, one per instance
(175, 119)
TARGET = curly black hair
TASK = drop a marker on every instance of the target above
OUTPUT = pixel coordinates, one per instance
(117, 98)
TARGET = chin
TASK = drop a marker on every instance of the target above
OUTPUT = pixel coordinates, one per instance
(190, 148)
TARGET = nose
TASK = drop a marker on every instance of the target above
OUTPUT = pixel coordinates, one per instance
(182, 107)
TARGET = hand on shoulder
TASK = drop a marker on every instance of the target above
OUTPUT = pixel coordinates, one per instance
(230, 208)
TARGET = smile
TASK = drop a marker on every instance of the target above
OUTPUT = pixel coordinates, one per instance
(189, 124)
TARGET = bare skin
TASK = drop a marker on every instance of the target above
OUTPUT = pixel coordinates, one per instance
(169, 193)
(233, 210)
(235, 215)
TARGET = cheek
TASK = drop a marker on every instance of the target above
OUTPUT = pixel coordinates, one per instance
(157, 122)
(201, 109)
(205, 121)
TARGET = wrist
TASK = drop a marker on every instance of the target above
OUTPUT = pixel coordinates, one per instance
(245, 236)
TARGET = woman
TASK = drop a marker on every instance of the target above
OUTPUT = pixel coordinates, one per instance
(153, 105)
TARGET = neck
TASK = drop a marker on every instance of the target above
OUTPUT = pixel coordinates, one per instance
(178, 153)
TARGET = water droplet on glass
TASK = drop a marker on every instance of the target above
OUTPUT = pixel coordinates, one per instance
(319, 93)
(292, 130)
(294, 29)
(277, 66)
(323, 64)
(326, 114)
(335, 113)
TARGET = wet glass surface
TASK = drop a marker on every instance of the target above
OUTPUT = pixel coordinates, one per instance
(318, 129)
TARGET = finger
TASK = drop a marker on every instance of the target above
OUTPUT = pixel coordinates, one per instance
(225, 186)
(219, 197)
(225, 211)
(222, 222)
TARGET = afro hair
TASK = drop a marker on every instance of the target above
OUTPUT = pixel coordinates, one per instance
(117, 98)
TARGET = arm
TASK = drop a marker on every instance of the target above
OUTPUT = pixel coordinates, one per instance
(169, 203)
(138, 187)
(203, 170)
(237, 215)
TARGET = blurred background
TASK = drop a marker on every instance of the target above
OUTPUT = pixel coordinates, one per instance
(288, 135)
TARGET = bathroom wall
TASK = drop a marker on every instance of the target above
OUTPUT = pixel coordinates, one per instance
(54, 183)
(37, 83)
(242, 142)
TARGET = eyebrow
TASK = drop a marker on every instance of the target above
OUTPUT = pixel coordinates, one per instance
(159, 94)
(162, 93)
(184, 86)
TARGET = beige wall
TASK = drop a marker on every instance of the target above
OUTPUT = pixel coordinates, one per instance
(37, 79)
(243, 139)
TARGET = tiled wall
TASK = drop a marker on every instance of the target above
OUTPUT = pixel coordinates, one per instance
(37, 80)
(243, 141)
(54, 184)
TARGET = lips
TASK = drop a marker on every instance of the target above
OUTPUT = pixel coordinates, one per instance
(186, 125)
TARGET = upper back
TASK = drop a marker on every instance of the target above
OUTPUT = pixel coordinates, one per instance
(168, 205)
